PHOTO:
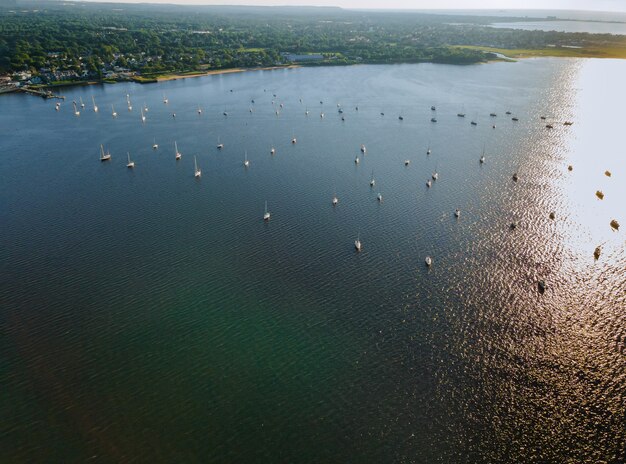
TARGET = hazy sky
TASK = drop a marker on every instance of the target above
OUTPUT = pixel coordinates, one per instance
(598, 5)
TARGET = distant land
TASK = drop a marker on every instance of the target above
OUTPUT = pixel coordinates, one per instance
(51, 43)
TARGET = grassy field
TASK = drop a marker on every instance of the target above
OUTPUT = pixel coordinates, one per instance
(585, 52)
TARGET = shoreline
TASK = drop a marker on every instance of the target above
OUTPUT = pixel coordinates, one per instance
(173, 77)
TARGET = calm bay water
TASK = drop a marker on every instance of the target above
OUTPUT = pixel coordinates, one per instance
(150, 316)
(592, 27)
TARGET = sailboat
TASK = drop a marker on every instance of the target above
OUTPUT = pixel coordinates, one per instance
(457, 213)
(357, 160)
(104, 156)
(266, 214)
(482, 158)
(357, 243)
(95, 107)
(363, 149)
(76, 112)
(155, 145)
(379, 197)
(165, 100)
(178, 154)
(145, 107)
(335, 200)
(272, 150)
(197, 171)
(428, 149)
(130, 107)
(220, 145)
(82, 105)
(199, 110)
(113, 113)
(372, 180)
(428, 183)
(57, 106)
(246, 163)
(143, 117)
(428, 261)
(293, 139)
(131, 164)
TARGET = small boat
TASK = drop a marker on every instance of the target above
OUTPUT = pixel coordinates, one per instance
(552, 215)
(615, 224)
(568, 123)
(435, 175)
(82, 105)
(178, 154)
(76, 112)
(357, 243)
(197, 172)
(400, 118)
(145, 108)
(155, 146)
(335, 200)
(474, 123)
(356, 160)
(457, 213)
(294, 140)
(407, 162)
(104, 156)
(596, 252)
(306, 112)
(382, 114)
(514, 119)
(220, 145)
(363, 149)
(143, 117)
(356, 108)
(599, 194)
(549, 126)
(493, 115)
(607, 173)
(272, 151)
(433, 119)
(340, 111)
(199, 110)
(95, 107)
(570, 168)
(57, 106)
(429, 183)
(493, 127)
(482, 159)
(372, 180)
(174, 115)
(508, 112)
(514, 177)
(513, 226)
(461, 115)
(225, 113)
(246, 163)
(343, 119)
(321, 115)
(113, 113)
(428, 149)
(266, 214)
(379, 197)
(165, 100)
(543, 118)
(130, 107)
(428, 261)
(433, 108)
(130, 164)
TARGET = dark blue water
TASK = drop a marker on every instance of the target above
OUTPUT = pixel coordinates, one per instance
(150, 316)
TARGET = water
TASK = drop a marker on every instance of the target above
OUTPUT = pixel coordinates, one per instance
(147, 315)
(617, 28)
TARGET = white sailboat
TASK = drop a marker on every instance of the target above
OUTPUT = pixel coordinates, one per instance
(379, 197)
(220, 145)
(266, 214)
(293, 139)
(199, 110)
(197, 172)
(57, 106)
(457, 213)
(155, 145)
(76, 112)
(363, 149)
(130, 106)
(246, 162)
(357, 243)
(428, 149)
(428, 261)
(372, 180)
(178, 154)
(131, 164)
(82, 105)
(482, 158)
(272, 150)
(143, 116)
(165, 100)
(335, 200)
(95, 107)
(104, 156)
(113, 113)
(357, 160)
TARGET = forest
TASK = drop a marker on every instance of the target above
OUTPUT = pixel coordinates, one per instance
(77, 40)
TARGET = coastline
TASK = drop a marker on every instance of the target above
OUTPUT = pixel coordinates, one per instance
(172, 77)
